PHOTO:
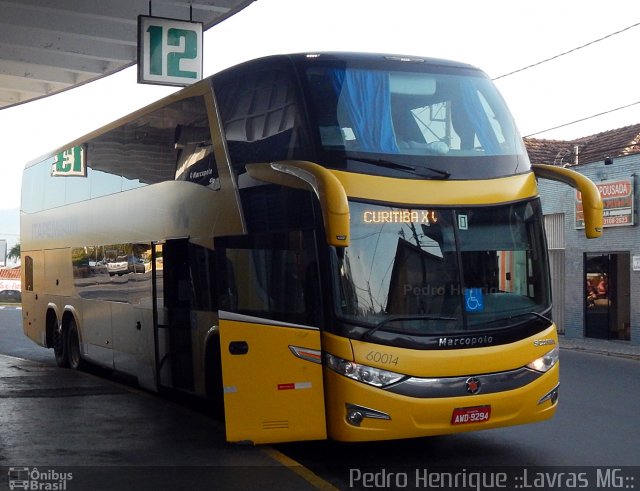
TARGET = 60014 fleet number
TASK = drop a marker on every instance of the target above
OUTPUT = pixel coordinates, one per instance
(384, 358)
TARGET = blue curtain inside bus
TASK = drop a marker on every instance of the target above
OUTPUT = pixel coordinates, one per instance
(476, 114)
(366, 98)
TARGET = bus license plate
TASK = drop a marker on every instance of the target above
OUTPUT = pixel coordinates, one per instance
(466, 415)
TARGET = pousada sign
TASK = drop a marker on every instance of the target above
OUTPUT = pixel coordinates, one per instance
(617, 201)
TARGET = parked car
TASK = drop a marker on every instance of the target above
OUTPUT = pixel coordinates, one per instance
(13, 296)
(136, 265)
(118, 266)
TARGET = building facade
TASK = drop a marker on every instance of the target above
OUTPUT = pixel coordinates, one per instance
(596, 282)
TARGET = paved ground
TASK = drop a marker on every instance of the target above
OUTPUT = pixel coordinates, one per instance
(62, 422)
(112, 437)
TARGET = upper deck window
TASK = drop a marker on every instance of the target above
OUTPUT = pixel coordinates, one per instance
(414, 114)
(170, 143)
(261, 113)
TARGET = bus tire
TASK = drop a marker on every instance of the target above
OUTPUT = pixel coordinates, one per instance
(73, 346)
(59, 345)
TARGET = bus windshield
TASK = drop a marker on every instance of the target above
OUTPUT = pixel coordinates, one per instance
(416, 114)
(442, 270)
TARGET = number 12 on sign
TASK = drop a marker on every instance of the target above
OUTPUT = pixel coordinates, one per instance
(169, 51)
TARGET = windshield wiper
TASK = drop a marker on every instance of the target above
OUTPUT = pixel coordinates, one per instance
(388, 164)
(392, 318)
(535, 314)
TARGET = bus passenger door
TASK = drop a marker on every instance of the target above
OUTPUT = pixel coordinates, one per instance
(173, 337)
(269, 300)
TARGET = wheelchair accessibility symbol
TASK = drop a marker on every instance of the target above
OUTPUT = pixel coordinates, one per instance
(473, 300)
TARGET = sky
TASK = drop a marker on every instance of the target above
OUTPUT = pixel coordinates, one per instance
(498, 36)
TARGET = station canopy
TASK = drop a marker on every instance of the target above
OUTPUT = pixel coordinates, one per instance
(47, 46)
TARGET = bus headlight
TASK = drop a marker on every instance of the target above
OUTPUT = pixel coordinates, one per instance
(544, 363)
(362, 373)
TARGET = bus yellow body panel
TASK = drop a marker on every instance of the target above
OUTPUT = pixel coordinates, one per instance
(421, 192)
(414, 417)
(449, 363)
(270, 394)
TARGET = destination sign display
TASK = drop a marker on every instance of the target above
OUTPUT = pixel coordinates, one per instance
(425, 217)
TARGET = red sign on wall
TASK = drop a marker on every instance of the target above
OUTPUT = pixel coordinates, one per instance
(617, 200)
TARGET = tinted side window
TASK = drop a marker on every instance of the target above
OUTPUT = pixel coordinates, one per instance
(271, 208)
(28, 274)
(261, 114)
(167, 144)
(115, 272)
(202, 265)
(271, 276)
(171, 143)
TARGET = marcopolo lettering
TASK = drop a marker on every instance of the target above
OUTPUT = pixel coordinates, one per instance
(197, 175)
(54, 229)
(464, 342)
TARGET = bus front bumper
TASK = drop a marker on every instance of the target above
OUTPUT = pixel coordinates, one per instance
(359, 412)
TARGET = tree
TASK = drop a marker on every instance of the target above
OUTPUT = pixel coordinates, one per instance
(14, 252)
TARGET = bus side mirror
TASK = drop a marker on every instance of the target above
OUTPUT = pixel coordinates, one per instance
(591, 199)
(327, 187)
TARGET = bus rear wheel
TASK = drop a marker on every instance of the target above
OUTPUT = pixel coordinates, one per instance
(60, 348)
(73, 346)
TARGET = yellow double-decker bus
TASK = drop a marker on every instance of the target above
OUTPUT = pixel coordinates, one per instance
(332, 245)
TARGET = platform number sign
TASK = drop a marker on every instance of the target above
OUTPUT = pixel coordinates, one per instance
(169, 51)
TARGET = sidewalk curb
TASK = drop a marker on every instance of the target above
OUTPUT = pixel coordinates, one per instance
(599, 351)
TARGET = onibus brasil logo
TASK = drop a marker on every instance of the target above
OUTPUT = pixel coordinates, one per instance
(41, 480)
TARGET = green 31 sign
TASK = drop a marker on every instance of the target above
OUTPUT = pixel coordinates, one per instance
(70, 162)
(169, 51)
